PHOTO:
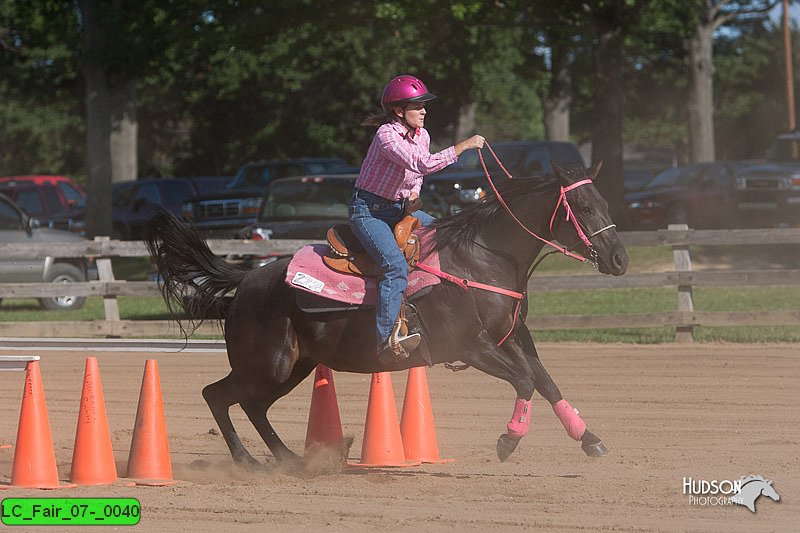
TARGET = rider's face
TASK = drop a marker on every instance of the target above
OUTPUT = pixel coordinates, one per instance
(414, 114)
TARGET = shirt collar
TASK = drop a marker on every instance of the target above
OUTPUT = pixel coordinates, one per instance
(404, 132)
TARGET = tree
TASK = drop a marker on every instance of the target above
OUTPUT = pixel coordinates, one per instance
(708, 17)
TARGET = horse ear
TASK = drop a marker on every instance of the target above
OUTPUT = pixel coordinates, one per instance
(594, 170)
(560, 172)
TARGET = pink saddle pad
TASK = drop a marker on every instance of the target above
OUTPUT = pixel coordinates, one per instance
(307, 272)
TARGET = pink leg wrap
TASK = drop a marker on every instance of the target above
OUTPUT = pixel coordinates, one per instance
(569, 417)
(520, 420)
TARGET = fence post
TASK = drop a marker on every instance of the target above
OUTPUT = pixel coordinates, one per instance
(683, 263)
(106, 273)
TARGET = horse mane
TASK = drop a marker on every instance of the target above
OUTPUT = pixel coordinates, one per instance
(460, 230)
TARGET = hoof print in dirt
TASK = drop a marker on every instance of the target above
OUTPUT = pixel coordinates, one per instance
(506, 446)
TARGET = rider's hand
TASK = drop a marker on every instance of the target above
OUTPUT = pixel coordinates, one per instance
(413, 204)
(476, 141)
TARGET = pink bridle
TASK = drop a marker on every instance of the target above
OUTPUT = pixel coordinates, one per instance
(520, 296)
(562, 200)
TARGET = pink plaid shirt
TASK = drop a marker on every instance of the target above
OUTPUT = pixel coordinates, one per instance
(395, 162)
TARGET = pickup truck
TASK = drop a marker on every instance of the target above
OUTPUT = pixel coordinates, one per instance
(224, 214)
(768, 192)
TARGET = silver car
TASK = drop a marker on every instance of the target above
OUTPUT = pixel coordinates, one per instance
(17, 227)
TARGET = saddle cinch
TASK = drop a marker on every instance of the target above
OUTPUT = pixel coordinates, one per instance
(348, 256)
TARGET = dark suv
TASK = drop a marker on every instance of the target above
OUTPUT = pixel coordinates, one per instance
(224, 214)
(464, 182)
(768, 193)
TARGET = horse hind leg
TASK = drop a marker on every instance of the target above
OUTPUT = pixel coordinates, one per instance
(256, 408)
(220, 396)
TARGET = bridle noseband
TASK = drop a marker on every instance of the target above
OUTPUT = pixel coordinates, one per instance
(570, 215)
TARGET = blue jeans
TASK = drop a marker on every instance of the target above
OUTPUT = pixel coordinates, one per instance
(372, 219)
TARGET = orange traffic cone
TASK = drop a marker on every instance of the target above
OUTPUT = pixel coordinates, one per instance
(34, 457)
(149, 461)
(324, 425)
(416, 423)
(92, 457)
(383, 445)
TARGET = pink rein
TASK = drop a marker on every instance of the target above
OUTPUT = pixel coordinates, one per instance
(519, 296)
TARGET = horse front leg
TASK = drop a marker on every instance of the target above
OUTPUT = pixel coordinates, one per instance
(569, 416)
(512, 366)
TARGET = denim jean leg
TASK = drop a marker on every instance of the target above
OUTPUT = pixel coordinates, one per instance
(424, 218)
(378, 240)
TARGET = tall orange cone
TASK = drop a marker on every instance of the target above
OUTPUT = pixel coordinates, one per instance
(149, 461)
(383, 445)
(93, 456)
(416, 423)
(324, 424)
(34, 457)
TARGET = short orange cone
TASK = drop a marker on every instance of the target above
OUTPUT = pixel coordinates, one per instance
(93, 456)
(324, 424)
(383, 445)
(34, 457)
(149, 462)
(416, 425)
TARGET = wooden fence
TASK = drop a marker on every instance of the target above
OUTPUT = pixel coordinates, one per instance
(684, 318)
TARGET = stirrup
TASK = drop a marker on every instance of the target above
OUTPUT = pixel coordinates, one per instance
(400, 344)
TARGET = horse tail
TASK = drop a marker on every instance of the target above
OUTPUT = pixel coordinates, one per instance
(192, 279)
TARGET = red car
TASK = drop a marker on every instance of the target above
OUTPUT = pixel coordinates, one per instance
(42, 197)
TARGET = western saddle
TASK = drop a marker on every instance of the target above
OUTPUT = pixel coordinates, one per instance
(346, 254)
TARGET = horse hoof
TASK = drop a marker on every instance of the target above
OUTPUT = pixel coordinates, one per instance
(592, 446)
(506, 446)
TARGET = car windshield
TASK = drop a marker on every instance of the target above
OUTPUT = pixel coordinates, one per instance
(307, 199)
(673, 177)
(785, 150)
(250, 176)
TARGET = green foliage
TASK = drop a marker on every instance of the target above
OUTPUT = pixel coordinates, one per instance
(219, 85)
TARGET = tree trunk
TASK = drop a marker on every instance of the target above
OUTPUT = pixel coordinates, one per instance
(700, 104)
(608, 107)
(98, 126)
(123, 133)
(466, 122)
(559, 97)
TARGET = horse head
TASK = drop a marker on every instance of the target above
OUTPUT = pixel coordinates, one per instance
(582, 222)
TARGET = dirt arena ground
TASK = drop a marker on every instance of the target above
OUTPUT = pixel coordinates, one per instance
(708, 411)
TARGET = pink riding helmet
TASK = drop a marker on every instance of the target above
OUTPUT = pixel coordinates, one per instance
(404, 88)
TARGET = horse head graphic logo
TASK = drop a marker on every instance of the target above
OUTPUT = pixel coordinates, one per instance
(752, 488)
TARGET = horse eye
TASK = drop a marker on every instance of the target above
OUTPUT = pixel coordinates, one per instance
(586, 210)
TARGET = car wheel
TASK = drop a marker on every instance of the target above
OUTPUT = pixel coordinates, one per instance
(64, 273)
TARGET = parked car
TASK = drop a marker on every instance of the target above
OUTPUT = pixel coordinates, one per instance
(224, 214)
(300, 208)
(50, 199)
(18, 227)
(768, 194)
(701, 195)
(134, 202)
(464, 182)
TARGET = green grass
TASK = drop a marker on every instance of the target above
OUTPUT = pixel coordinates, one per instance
(607, 301)
(633, 301)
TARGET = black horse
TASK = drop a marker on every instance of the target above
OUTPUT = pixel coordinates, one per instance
(273, 345)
